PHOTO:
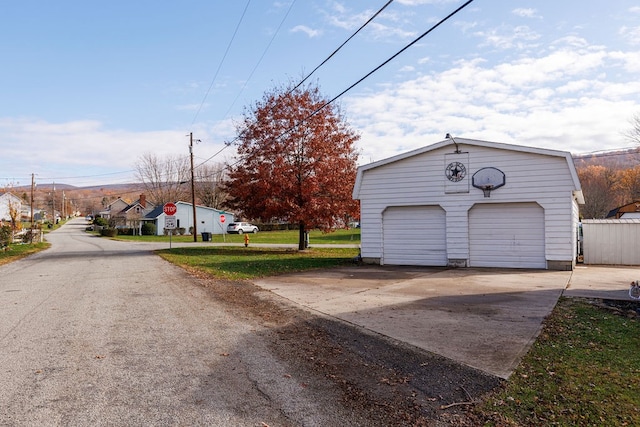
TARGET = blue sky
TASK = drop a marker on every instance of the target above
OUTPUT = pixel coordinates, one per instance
(86, 88)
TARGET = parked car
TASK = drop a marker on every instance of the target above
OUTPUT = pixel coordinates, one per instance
(241, 227)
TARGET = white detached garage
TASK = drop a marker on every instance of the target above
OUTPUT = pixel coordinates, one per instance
(470, 203)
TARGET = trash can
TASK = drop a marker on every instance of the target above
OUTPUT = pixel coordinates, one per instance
(206, 236)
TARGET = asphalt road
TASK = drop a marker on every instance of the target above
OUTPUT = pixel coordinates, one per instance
(98, 332)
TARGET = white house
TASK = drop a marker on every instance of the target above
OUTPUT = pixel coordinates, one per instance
(470, 203)
(210, 220)
(9, 202)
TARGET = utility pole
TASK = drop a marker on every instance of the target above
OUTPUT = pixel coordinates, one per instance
(53, 204)
(193, 190)
(33, 184)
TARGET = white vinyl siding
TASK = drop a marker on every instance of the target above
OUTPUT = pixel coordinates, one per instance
(414, 235)
(509, 235)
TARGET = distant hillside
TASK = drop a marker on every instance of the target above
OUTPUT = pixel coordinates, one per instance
(85, 200)
(61, 186)
(616, 160)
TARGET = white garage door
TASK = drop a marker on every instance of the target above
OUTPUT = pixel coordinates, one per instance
(507, 235)
(414, 235)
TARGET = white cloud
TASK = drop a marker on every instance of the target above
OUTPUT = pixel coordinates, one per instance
(520, 37)
(631, 34)
(525, 12)
(421, 2)
(388, 25)
(562, 100)
(630, 60)
(308, 31)
(62, 149)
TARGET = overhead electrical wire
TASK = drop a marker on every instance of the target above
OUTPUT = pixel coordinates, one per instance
(266, 49)
(375, 15)
(224, 56)
(250, 76)
(342, 45)
(323, 106)
(443, 20)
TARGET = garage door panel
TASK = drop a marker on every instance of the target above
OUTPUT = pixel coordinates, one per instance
(414, 235)
(507, 235)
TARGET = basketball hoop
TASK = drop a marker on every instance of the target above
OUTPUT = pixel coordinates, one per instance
(488, 179)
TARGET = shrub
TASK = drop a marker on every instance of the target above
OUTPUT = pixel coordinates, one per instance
(148, 229)
(125, 231)
(101, 222)
(109, 232)
(5, 235)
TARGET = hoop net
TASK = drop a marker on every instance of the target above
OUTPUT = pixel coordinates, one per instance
(486, 189)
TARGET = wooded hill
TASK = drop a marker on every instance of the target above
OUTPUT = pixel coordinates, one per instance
(85, 200)
(609, 180)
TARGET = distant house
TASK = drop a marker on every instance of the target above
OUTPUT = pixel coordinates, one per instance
(628, 211)
(128, 215)
(8, 202)
(210, 220)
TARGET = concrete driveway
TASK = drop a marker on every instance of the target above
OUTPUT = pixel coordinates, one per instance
(484, 318)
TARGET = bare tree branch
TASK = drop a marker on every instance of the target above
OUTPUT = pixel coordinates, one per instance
(164, 179)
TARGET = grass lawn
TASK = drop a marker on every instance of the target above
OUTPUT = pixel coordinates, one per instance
(246, 263)
(583, 370)
(351, 236)
(17, 251)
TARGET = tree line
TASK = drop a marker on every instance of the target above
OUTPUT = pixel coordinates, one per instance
(610, 180)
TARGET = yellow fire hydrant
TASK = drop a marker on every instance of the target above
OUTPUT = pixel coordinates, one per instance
(246, 240)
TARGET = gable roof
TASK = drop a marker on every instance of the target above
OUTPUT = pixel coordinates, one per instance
(628, 208)
(159, 210)
(478, 143)
(155, 213)
(10, 196)
(204, 207)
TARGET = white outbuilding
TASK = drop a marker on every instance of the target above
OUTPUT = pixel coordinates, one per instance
(470, 203)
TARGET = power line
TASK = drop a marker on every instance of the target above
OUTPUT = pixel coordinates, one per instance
(443, 20)
(215, 76)
(323, 106)
(261, 57)
(249, 78)
(311, 73)
(342, 45)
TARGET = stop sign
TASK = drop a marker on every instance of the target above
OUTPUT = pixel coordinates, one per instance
(170, 209)
(222, 219)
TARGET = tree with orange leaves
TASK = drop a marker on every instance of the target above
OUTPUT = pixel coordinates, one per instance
(598, 185)
(297, 161)
(629, 184)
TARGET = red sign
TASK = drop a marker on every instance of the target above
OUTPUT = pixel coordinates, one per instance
(222, 219)
(170, 209)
